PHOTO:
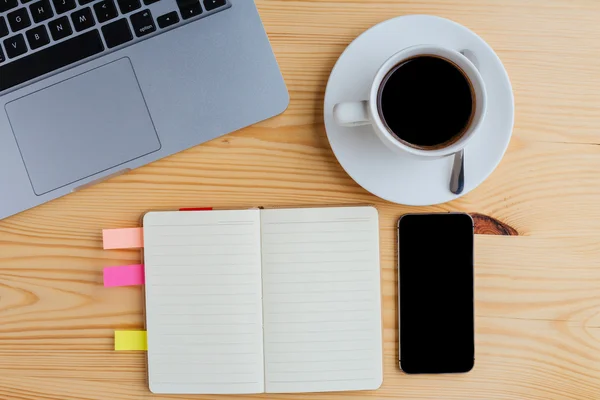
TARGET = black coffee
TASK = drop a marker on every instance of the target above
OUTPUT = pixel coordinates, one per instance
(427, 102)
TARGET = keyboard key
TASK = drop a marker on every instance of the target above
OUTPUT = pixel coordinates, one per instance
(37, 37)
(6, 5)
(18, 19)
(212, 4)
(128, 5)
(3, 27)
(105, 10)
(117, 33)
(62, 6)
(2, 58)
(83, 19)
(189, 8)
(84, 2)
(25, 1)
(168, 19)
(15, 46)
(148, 2)
(41, 11)
(50, 59)
(143, 23)
(60, 28)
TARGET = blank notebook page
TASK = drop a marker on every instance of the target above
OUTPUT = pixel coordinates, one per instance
(203, 302)
(321, 299)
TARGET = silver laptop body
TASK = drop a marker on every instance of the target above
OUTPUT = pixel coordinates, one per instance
(93, 88)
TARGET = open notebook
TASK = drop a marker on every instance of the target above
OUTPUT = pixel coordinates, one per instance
(255, 301)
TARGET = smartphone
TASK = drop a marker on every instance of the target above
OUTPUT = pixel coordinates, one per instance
(436, 289)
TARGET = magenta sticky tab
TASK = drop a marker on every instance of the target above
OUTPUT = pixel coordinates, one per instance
(124, 275)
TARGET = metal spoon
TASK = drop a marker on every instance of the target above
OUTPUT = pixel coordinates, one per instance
(457, 179)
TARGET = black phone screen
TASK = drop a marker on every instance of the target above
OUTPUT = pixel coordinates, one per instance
(436, 293)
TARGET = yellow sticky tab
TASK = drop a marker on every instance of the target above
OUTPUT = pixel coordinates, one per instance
(131, 340)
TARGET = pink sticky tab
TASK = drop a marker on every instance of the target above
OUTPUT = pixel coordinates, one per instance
(125, 275)
(126, 238)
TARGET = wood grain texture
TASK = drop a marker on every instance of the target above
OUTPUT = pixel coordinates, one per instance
(486, 225)
(537, 294)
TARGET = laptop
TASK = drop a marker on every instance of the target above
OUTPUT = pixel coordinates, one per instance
(90, 89)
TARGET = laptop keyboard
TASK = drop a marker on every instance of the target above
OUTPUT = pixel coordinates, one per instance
(41, 37)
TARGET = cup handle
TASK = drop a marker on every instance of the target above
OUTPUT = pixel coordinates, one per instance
(352, 113)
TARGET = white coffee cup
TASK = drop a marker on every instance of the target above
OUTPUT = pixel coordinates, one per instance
(357, 113)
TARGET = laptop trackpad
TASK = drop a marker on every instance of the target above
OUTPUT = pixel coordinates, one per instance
(82, 126)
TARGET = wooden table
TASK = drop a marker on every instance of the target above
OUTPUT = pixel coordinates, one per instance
(538, 293)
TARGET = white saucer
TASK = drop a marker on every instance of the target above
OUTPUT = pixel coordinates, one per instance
(368, 161)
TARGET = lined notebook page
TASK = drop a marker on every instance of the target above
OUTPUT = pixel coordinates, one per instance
(321, 299)
(203, 302)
